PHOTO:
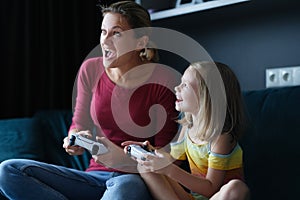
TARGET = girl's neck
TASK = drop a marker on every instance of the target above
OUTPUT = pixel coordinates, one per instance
(193, 134)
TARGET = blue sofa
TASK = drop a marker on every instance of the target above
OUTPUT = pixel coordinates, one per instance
(271, 150)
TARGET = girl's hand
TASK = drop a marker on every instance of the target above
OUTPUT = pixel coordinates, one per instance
(157, 163)
(142, 144)
(75, 150)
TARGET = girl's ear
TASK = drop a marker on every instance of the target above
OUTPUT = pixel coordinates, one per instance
(142, 42)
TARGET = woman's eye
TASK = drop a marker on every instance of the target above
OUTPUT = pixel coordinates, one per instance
(103, 32)
(118, 34)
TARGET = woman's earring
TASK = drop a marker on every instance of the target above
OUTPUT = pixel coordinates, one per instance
(146, 54)
(143, 54)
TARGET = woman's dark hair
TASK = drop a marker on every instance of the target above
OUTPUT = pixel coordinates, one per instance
(139, 19)
(136, 15)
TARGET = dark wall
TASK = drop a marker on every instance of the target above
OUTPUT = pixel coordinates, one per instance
(43, 44)
(249, 36)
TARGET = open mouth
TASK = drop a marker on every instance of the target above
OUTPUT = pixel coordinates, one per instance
(108, 53)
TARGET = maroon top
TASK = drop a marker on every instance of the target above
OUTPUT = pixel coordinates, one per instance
(126, 113)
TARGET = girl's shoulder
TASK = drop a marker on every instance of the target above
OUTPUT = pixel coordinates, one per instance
(223, 144)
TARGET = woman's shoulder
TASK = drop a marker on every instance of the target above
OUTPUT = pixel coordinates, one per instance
(90, 71)
(92, 64)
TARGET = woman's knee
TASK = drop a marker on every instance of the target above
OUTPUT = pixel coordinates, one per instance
(10, 168)
(127, 180)
(6, 172)
(128, 185)
(6, 167)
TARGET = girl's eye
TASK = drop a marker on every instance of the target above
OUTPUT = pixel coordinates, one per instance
(184, 85)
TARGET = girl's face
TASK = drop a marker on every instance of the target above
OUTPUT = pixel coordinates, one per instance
(187, 100)
(117, 39)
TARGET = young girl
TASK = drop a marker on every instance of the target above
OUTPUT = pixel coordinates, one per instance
(211, 126)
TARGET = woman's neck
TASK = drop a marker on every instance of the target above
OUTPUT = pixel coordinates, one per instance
(130, 75)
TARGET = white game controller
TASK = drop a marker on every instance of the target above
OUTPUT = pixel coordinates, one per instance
(95, 148)
(137, 151)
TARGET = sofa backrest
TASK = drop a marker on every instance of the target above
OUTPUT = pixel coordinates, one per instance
(272, 142)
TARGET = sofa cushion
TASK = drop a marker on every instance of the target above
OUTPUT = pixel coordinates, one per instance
(21, 138)
(271, 144)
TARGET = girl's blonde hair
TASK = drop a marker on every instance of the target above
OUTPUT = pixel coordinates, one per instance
(219, 98)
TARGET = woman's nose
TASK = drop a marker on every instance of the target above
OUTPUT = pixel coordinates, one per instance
(177, 88)
(105, 39)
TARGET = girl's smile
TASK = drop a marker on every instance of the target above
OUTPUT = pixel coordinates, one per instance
(185, 93)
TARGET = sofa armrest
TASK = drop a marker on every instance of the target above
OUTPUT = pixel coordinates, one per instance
(56, 124)
(21, 138)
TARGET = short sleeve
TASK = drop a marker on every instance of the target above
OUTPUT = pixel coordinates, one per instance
(226, 162)
(178, 150)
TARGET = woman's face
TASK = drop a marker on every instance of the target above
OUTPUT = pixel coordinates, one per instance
(187, 100)
(117, 41)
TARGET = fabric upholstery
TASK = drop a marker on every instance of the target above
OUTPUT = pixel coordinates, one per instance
(271, 143)
(21, 138)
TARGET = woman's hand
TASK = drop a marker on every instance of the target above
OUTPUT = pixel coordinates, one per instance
(115, 157)
(75, 150)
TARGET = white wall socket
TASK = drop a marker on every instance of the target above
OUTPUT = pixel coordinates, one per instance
(296, 73)
(280, 77)
(272, 78)
(285, 76)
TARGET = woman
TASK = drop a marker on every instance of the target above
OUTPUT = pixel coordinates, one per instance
(115, 98)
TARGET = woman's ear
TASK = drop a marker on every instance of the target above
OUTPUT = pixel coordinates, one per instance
(142, 42)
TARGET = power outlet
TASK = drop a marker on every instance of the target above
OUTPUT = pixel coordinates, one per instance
(281, 77)
(272, 78)
(286, 76)
(296, 77)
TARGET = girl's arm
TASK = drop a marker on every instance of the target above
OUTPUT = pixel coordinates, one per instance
(206, 186)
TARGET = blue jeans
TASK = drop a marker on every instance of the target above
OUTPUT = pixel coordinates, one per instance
(27, 179)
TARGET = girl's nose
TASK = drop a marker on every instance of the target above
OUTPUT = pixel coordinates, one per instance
(177, 88)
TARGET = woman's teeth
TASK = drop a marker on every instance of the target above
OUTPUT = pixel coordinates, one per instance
(107, 53)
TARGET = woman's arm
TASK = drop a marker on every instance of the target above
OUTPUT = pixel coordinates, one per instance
(86, 79)
(85, 83)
